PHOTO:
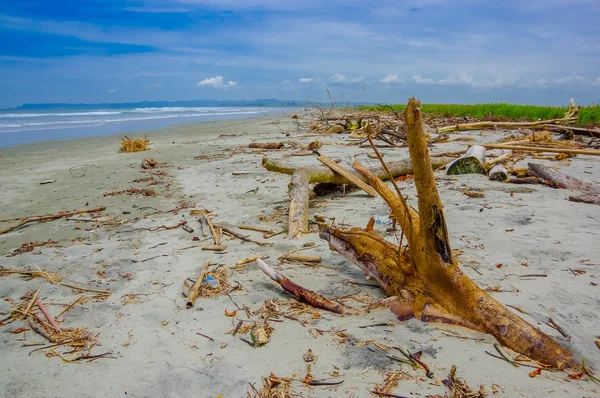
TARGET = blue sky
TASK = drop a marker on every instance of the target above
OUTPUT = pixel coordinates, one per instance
(465, 51)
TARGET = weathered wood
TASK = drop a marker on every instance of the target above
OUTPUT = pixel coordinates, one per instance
(302, 294)
(498, 173)
(590, 191)
(575, 130)
(195, 289)
(470, 163)
(326, 175)
(543, 149)
(348, 174)
(489, 164)
(238, 235)
(298, 212)
(425, 278)
(303, 176)
(510, 125)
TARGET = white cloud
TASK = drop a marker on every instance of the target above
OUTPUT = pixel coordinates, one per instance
(338, 78)
(421, 80)
(597, 82)
(216, 82)
(305, 80)
(358, 79)
(568, 79)
(463, 78)
(112, 90)
(391, 79)
(543, 83)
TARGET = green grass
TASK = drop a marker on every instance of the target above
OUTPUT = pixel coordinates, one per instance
(587, 115)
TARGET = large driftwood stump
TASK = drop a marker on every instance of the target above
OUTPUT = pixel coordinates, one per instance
(303, 176)
(425, 279)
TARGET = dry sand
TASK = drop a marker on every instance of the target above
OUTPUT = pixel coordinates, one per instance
(529, 230)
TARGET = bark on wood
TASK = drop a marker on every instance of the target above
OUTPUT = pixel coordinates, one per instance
(543, 149)
(48, 217)
(425, 277)
(590, 191)
(195, 289)
(470, 163)
(491, 125)
(346, 173)
(266, 145)
(303, 176)
(302, 294)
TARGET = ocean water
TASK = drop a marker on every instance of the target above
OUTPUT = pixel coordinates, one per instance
(20, 127)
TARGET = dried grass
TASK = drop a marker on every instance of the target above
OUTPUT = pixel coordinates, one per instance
(134, 145)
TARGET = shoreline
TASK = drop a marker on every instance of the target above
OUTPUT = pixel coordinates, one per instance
(160, 346)
(128, 128)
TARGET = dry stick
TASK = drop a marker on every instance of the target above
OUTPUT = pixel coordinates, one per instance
(346, 173)
(302, 294)
(83, 289)
(259, 229)
(196, 288)
(48, 316)
(70, 306)
(33, 300)
(490, 163)
(543, 149)
(558, 328)
(49, 217)
(216, 238)
(246, 260)
(483, 125)
(243, 237)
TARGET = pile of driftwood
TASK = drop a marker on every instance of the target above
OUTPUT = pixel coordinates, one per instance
(422, 279)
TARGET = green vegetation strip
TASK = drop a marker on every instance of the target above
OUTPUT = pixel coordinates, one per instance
(588, 115)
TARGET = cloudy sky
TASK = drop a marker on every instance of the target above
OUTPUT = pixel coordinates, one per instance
(465, 51)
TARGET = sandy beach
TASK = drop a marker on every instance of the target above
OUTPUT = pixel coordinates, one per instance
(157, 348)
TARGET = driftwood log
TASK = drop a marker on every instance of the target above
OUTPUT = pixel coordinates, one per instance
(590, 191)
(470, 163)
(303, 176)
(425, 279)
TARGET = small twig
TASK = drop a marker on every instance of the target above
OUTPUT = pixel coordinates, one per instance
(375, 324)
(558, 328)
(385, 394)
(160, 244)
(512, 361)
(587, 372)
(33, 300)
(243, 237)
(324, 383)
(251, 344)
(50, 346)
(151, 258)
(203, 335)
(239, 325)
